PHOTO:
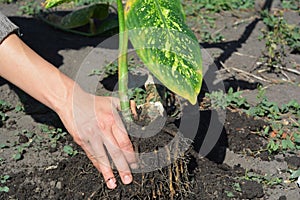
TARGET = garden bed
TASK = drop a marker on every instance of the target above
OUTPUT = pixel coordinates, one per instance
(240, 166)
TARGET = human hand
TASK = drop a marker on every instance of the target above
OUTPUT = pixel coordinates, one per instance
(92, 121)
(95, 125)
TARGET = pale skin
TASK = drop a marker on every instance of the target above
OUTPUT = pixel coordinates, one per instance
(92, 121)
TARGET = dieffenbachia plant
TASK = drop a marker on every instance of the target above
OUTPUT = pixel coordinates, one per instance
(163, 41)
(165, 44)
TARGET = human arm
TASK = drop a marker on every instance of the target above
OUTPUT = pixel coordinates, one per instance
(93, 121)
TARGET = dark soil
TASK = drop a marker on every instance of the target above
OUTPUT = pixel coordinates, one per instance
(76, 178)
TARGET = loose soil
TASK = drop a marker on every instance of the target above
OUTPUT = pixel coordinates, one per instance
(229, 171)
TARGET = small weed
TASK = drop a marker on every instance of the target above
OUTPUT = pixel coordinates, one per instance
(237, 187)
(4, 189)
(295, 174)
(138, 95)
(265, 108)
(7, 1)
(19, 107)
(4, 107)
(29, 8)
(26, 140)
(206, 36)
(3, 146)
(284, 121)
(112, 69)
(70, 151)
(19, 154)
(54, 134)
(264, 179)
(3, 180)
(280, 39)
(291, 4)
(218, 99)
(283, 133)
(229, 194)
(221, 5)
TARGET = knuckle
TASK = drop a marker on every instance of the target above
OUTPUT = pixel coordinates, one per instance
(115, 153)
(126, 145)
(98, 157)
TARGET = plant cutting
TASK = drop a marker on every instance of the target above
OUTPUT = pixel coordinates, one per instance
(163, 42)
(170, 51)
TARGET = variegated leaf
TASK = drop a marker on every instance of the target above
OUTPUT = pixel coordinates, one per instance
(165, 44)
(53, 3)
(82, 16)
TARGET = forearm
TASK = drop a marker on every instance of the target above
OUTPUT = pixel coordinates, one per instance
(23, 67)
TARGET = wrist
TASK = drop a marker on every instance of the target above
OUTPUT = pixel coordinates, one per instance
(62, 93)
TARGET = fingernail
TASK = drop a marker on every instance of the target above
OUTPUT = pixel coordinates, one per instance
(111, 183)
(134, 166)
(127, 179)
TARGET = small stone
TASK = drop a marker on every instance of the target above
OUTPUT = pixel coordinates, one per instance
(285, 122)
(37, 190)
(252, 189)
(282, 198)
(293, 162)
(58, 185)
(23, 139)
(52, 184)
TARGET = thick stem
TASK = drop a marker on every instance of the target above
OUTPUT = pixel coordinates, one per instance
(122, 60)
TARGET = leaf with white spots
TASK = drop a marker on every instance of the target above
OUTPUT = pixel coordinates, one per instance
(165, 44)
(53, 3)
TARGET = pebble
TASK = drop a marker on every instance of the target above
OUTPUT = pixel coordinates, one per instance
(52, 184)
(58, 185)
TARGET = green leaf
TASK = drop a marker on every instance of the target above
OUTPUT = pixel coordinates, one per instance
(17, 156)
(70, 151)
(229, 194)
(53, 3)
(83, 16)
(2, 146)
(4, 189)
(290, 144)
(4, 178)
(295, 174)
(284, 144)
(297, 138)
(165, 44)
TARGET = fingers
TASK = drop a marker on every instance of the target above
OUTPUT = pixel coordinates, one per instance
(125, 145)
(93, 145)
(101, 162)
(106, 129)
(122, 138)
(119, 159)
(95, 151)
(99, 155)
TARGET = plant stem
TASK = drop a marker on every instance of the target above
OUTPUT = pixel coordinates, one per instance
(122, 60)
